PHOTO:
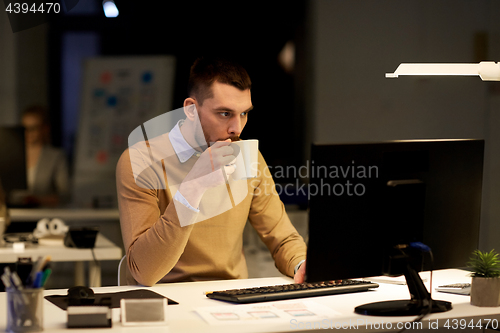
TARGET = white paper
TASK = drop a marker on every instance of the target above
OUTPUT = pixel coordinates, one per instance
(400, 280)
(258, 313)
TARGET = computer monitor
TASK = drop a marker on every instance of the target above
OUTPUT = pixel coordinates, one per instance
(365, 199)
(12, 160)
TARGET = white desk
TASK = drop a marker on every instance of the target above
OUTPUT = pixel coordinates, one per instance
(69, 214)
(104, 250)
(183, 318)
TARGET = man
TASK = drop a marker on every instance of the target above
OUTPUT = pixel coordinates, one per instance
(159, 217)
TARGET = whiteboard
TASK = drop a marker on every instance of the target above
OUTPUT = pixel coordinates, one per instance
(119, 94)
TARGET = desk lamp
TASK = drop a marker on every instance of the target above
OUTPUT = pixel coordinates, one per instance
(487, 70)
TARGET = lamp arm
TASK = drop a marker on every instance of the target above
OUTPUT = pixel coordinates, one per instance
(486, 70)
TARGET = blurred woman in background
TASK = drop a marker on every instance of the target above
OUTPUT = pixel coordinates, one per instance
(46, 166)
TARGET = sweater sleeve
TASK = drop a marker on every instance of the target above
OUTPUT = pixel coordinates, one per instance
(153, 240)
(268, 217)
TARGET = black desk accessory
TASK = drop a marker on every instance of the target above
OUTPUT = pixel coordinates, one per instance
(81, 237)
(80, 296)
(89, 316)
(24, 267)
(61, 301)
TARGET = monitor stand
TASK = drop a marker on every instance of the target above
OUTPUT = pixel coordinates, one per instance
(418, 304)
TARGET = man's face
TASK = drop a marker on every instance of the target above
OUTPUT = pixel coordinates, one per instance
(225, 114)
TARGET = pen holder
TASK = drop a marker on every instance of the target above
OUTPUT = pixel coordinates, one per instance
(25, 310)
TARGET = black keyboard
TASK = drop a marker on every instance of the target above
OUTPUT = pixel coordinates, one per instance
(289, 291)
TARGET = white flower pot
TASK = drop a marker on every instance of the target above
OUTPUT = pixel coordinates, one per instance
(485, 291)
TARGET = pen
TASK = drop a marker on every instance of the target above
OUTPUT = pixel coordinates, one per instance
(45, 262)
(46, 274)
(16, 281)
(6, 274)
(11, 280)
(6, 281)
(18, 285)
(38, 280)
(37, 267)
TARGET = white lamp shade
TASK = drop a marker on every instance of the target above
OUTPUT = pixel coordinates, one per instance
(487, 70)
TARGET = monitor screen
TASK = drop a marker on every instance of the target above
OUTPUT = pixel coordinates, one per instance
(12, 159)
(367, 198)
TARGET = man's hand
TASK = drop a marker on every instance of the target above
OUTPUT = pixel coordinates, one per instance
(301, 273)
(208, 171)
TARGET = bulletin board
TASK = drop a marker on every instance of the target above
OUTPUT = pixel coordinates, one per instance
(119, 94)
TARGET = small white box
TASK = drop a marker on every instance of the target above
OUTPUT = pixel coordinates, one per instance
(18, 246)
(142, 312)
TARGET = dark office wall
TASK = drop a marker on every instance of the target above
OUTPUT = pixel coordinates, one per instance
(23, 70)
(357, 42)
(491, 227)
(32, 71)
(8, 100)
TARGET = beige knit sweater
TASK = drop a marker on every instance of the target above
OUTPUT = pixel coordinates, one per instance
(160, 250)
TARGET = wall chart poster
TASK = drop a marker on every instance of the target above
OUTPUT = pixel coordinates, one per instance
(119, 94)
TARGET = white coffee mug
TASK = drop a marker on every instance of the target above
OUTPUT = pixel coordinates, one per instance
(247, 159)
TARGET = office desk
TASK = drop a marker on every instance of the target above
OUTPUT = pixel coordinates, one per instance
(183, 318)
(68, 214)
(104, 250)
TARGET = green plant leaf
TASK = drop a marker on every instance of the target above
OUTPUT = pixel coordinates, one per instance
(485, 264)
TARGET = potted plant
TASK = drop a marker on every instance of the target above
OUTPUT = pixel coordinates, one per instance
(485, 288)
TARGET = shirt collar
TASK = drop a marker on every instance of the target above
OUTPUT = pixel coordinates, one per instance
(183, 150)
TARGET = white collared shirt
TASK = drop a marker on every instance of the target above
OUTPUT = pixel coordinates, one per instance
(184, 152)
(182, 149)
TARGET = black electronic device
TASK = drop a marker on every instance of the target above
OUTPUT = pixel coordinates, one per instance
(12, 161)
(80, 295)
(376, 201)
(83, 310)
(90, 316)
(291, 291)
(81, 237)
(111, 299)
(24, 266)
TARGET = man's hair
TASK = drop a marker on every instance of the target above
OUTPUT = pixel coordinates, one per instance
(206, 70)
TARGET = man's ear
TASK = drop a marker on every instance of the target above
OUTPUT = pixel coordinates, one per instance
(190, 108)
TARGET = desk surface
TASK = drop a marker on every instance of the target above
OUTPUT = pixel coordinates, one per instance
(104, 250)
(183, 318)
(70, 214)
